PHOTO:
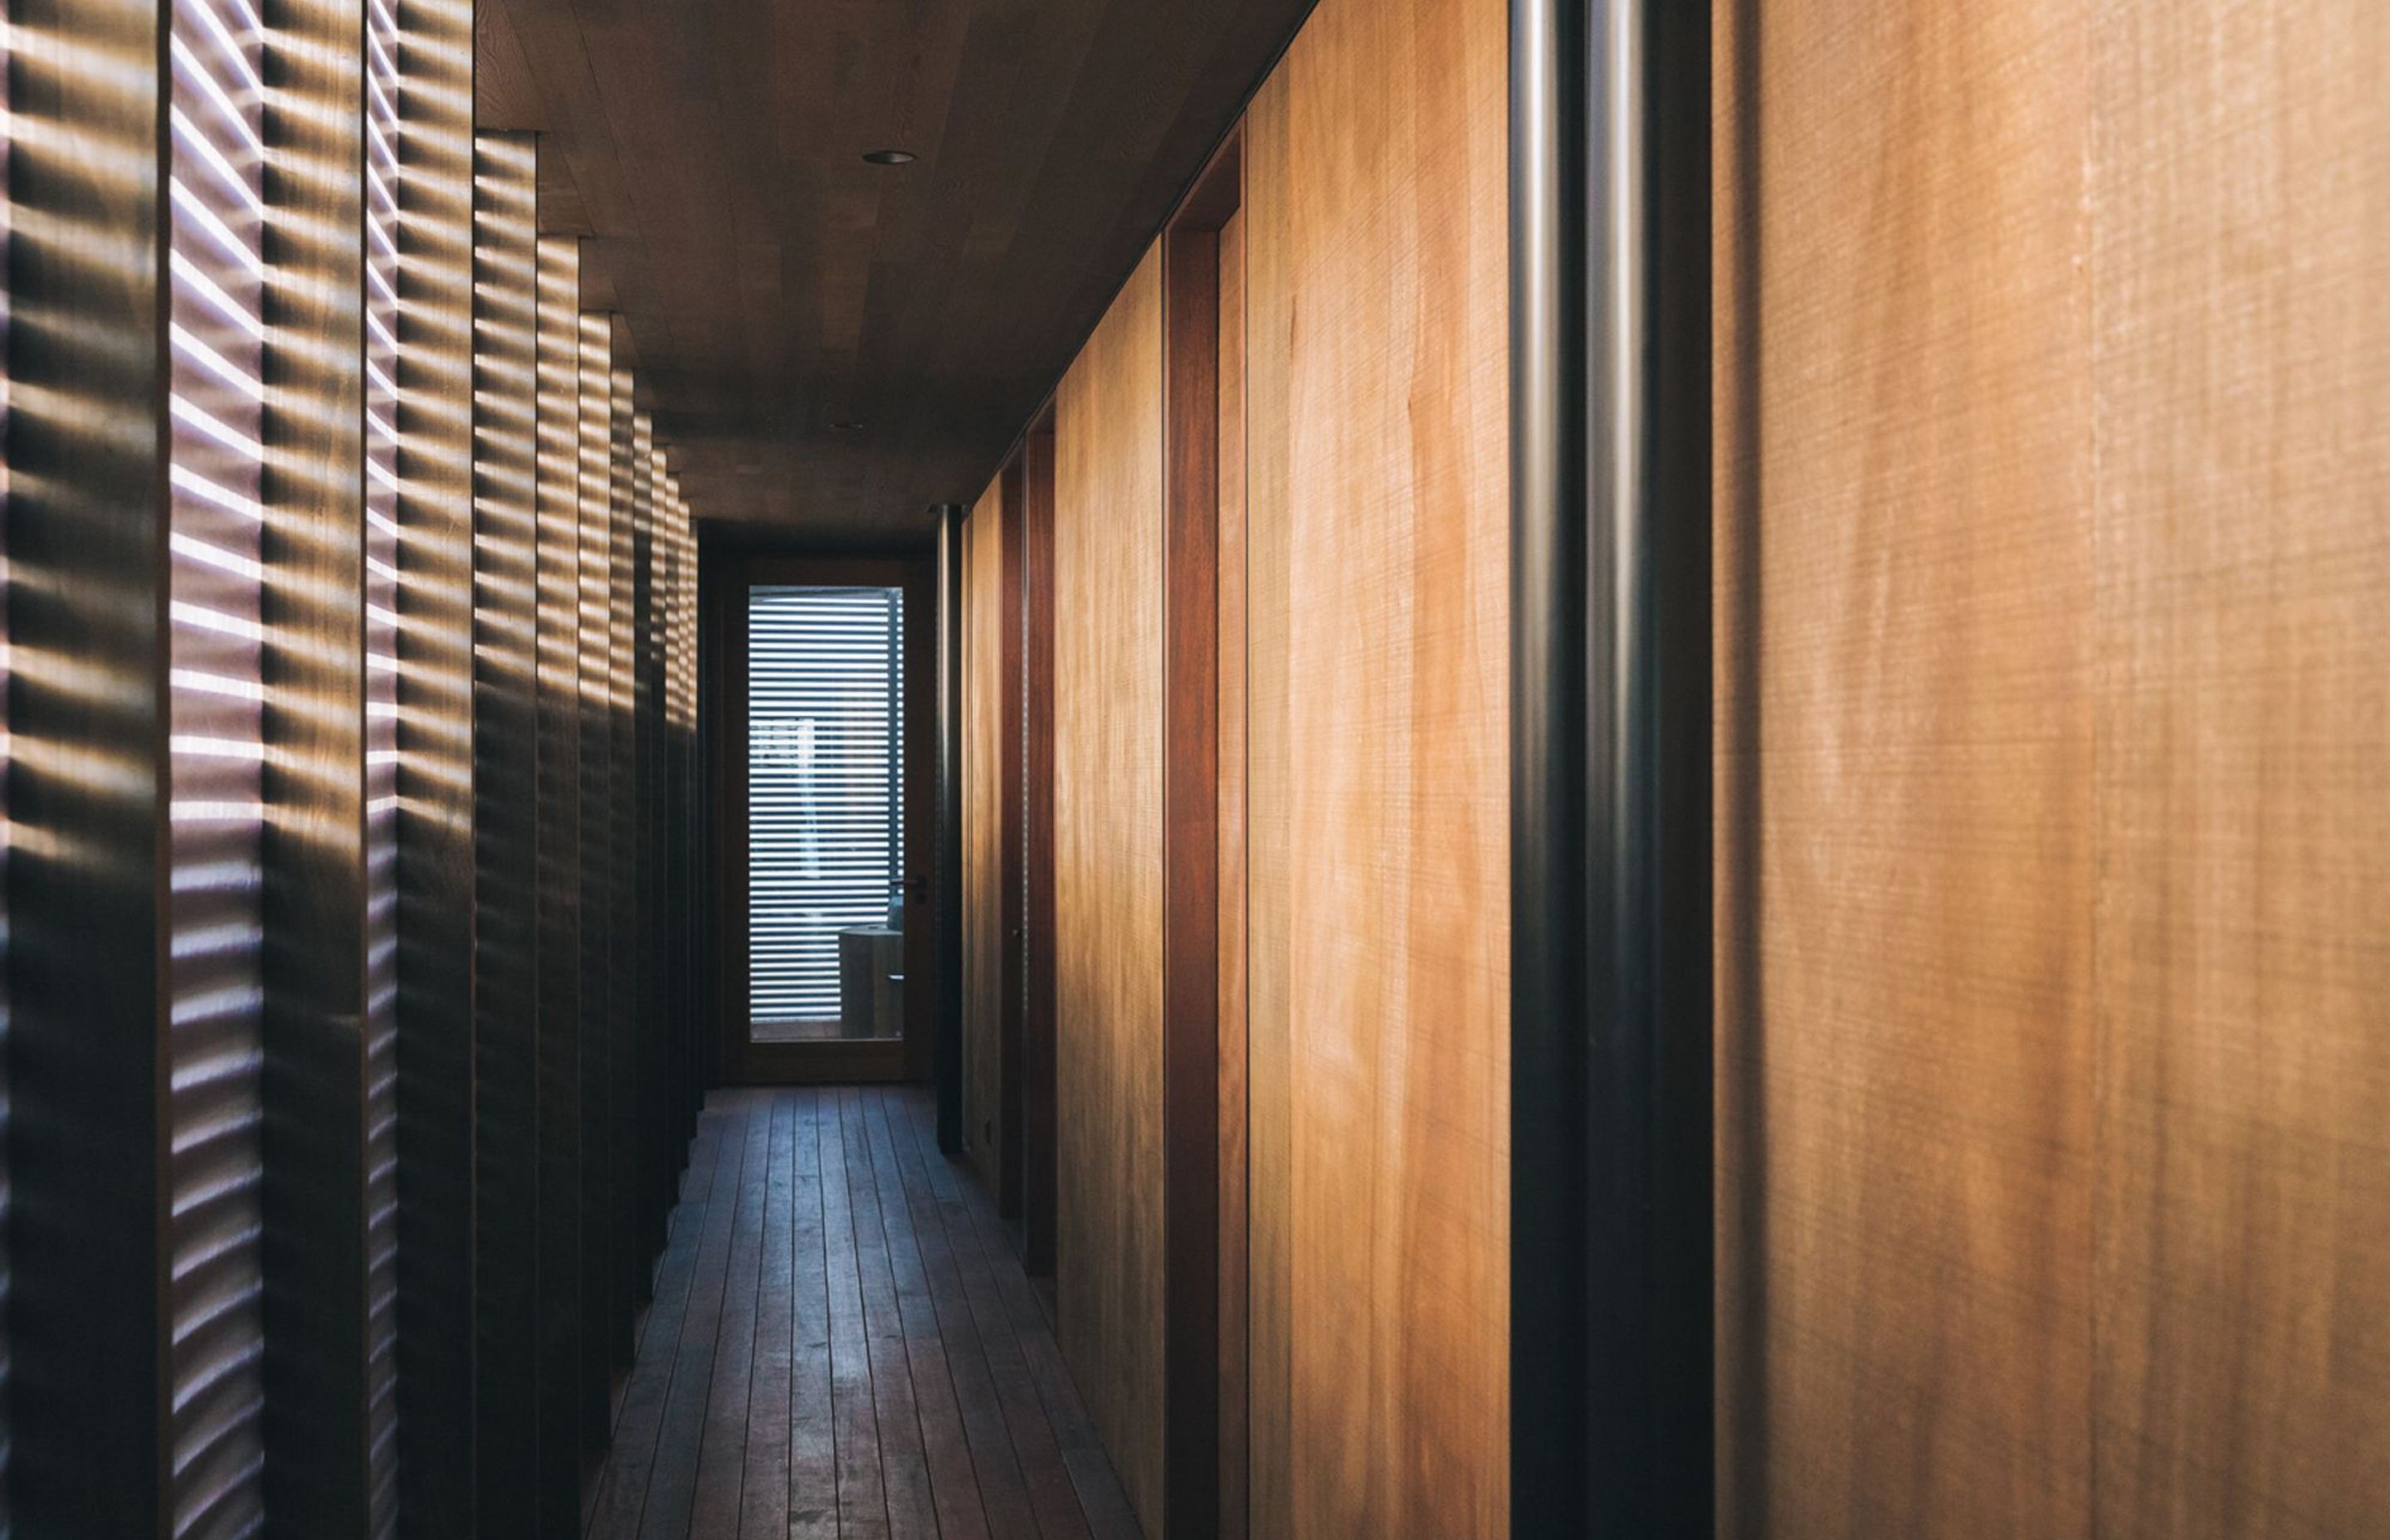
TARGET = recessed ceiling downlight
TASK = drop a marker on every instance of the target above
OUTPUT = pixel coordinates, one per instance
(890, 157)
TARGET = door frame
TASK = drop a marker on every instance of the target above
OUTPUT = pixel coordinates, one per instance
(1040, 1195)
(1204, 1076)
(740, 1060)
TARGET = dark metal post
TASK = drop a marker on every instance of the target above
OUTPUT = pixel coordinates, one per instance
(948, 1058)
(1610, 1203)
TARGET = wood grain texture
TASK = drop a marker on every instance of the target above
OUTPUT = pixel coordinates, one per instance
(600, 1328)
(496, 766)
(775, 284)
(1234, 1365)
(1037, 1067)
(2241, 371)
(90, 712)
(983, 773)
(1269, 898)
(2053, 1177)
(1012, 839)
(326, 1025)
(1378, 425)
(560, 1302)
(732, 1424)
(1108, 835)
(432, 455)
(1903, 761)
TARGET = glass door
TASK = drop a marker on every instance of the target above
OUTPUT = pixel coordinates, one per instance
(825, 885)
(825, 813)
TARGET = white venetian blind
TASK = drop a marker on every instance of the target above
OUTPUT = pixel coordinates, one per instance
(825, 764)
(217, 338)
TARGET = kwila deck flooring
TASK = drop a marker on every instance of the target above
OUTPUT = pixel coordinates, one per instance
(842, 1344)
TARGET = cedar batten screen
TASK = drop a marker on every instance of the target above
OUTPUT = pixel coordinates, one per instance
(558, 958)
(507, 1124)
(332, 653)
(87, 773)
(325, 1032)
(437, 725)
(595, 846)
(216, 329)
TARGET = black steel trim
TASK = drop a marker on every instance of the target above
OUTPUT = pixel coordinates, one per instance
(1612, 1268)
(948, 1044)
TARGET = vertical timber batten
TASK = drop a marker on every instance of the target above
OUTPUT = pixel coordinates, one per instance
(88, 717)
(559, 592)
(320, 1460)
(433, 373)
(504, 762)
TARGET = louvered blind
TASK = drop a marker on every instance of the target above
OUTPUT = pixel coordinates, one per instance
(216, 338)
(825, 765)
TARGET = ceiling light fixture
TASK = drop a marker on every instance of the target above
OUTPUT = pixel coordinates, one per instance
(846, 426)
(890, 157)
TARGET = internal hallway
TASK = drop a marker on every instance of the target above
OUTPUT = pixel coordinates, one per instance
(1194, 769)
(844, 1343)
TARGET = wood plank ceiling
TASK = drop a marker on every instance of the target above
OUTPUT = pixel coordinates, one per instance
(772, 286)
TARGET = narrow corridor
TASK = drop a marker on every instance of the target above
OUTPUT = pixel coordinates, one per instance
(842, 1343)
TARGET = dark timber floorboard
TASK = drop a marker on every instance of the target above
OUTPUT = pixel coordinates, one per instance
(843, 1346)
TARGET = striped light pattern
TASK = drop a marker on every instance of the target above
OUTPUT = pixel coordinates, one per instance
(217, 340)
(383, 169)
(825, 767)
(264, 1016)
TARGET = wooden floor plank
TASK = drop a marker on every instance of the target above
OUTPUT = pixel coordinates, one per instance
(813, 1436)
(965, 1290)
(903, 1460)
(862, 1492)
(764, 1496)
(1101, 1496)
(722, 1454)
(954, 1470)
(671, 1486)
(622, 1487)
(844, 1347)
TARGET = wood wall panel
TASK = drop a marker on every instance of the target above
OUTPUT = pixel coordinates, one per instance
(1234, 1284)
(2241, 371)
(1107, 684)
(1903, 763)
(2050, 746)
(1039, 1176)
(983, 751)
(1012, 835)
(1378, 423)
